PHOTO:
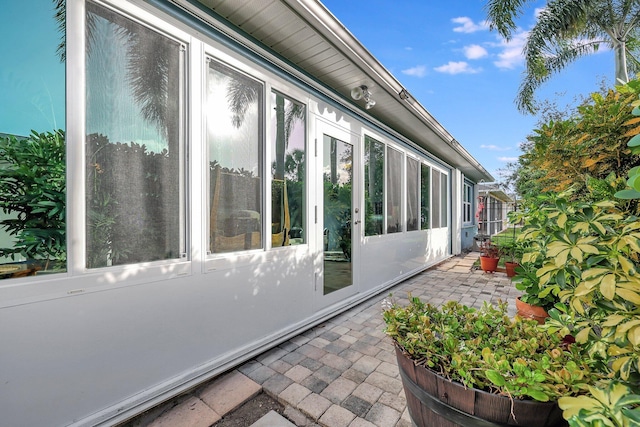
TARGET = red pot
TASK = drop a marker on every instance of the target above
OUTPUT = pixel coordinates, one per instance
(531, 311)
(488, 264)
(511, 268)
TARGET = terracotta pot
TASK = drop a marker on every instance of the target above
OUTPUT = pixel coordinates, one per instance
(488, 265)
(511, 268)
(433, 400)
(528, 311)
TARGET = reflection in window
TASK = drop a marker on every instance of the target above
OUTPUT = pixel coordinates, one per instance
(287, 171)
(394, 191)
(444, 206)
(425, 200)
(413, 195)
(435, 189)
(135, 207)
(373, 186)
(234, 105)
(32, 140)
(337, 198)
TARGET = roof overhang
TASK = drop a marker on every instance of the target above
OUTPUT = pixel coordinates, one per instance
(305, 39)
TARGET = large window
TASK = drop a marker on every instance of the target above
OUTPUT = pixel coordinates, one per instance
(394, 190)
(288, 188)
(435, 198)
(425, 197)
(32, 140)
(413, 194)
(134, 149)
(467, 198)
(373, 186)
(439, 199)
(444, 199)
(234, 109)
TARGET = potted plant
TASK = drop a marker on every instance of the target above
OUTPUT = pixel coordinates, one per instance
(460, 364)
(511, 249)
(489, 256)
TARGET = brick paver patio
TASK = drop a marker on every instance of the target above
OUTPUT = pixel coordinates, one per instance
(343, 373)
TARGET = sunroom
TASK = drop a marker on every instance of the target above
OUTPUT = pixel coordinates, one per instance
(211, 178)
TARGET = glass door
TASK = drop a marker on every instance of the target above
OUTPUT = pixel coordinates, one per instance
(338, 217)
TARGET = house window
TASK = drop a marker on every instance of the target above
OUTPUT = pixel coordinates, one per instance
(435, 189)
(444, 205)
(394, 190)
(288, 190)
(32, 140)
(467, 198)
(234, 109)
(413, 194)
(373, 186)
(134, 146)
(439, 189)
(425, 199)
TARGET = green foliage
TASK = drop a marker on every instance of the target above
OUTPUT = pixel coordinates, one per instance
(581, 264)
(607, 407)
(33, 187)
(487, 350)
(551, 44)
(590, 144)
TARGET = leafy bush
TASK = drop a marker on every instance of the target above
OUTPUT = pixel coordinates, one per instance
(33, 189)
(487, 350)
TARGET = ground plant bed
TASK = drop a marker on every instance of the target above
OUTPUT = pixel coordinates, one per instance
(435, 401)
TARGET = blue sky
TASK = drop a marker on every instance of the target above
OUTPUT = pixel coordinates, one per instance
(466, 76)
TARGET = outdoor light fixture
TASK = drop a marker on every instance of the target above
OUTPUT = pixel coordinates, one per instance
(362, 92)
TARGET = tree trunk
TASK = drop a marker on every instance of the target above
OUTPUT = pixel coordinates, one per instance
(620, 56)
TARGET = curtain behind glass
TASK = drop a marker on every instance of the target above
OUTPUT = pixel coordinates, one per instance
(133, 142)
(413, 195)
(394, 191)
(435, 199)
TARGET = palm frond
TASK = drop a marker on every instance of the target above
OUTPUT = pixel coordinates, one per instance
(502, 15)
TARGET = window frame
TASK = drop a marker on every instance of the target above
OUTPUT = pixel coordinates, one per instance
(467, 203)
(78, 254)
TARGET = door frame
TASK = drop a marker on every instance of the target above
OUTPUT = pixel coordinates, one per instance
(321, 300)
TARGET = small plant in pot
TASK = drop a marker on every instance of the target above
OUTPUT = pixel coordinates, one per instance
(512, 250)
(460, 365)
(489, 256)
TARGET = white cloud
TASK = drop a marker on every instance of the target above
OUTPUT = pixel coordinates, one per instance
(495, 147)
(510, 55)
(408, 48)
(508, 159)
(466, 25)
(417, 71)
(474, 51)
(459, 67)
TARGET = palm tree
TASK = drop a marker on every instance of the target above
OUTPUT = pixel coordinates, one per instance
(565, 31)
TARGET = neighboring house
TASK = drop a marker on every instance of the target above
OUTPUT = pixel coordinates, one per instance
(231, 183)
(493, 206)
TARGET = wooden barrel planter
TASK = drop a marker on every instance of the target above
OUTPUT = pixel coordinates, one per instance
(435, 401)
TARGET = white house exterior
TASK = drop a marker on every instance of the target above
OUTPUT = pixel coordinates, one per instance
(225, 191)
